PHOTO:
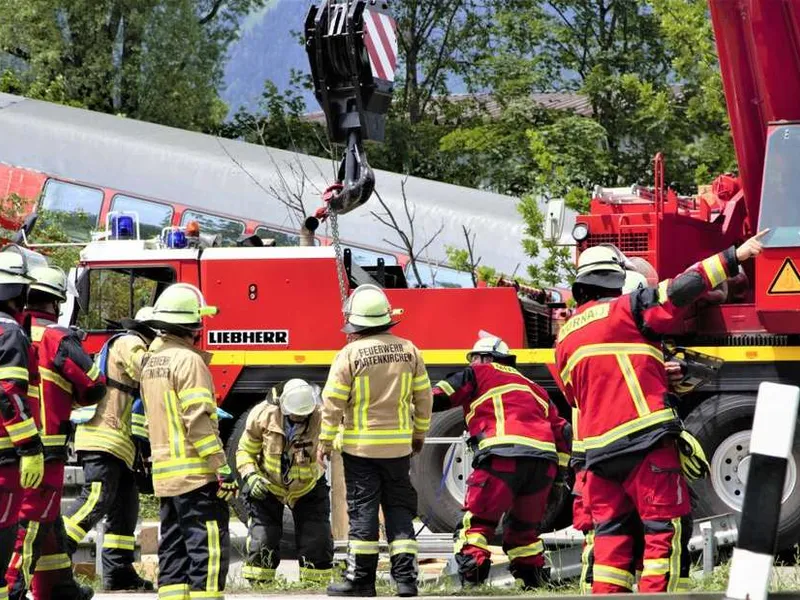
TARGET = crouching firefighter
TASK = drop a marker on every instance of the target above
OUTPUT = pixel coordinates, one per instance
(611, 365)
(190, 473)
(519, 440)
(277, 460)
(21, 458)
(106, 450)
(379, 385)
(67, 375)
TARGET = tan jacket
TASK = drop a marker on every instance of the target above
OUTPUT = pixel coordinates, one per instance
(178, 395)
(110, 428)
(264, 443)
(379, 386)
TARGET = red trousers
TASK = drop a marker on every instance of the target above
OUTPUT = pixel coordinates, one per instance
(516, 487)
(619, 492)
(10, 502)
(40, 543)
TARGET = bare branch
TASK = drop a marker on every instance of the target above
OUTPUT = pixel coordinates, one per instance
(212, 13)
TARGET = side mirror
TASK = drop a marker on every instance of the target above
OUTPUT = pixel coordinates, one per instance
(554, 220)
(27, 228)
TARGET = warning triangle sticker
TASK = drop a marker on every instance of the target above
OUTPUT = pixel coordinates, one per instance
(787, 281)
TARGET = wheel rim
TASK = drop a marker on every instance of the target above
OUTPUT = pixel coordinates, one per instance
(730, 465)
(455, 481)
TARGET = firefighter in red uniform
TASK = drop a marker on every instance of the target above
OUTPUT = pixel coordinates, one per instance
(21, 458)
(67, 375)
(611, 365)
(519, 441)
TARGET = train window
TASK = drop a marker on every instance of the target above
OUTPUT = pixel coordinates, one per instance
(73, 208)
(106, 296)
(438, 276)
(228, 229)
(282, 238)
(369, 258)
(153, 216)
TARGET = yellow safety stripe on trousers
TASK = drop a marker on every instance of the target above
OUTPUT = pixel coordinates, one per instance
(337, 390)
(18, 432)
(95, 491)
(714, 270)
(175, 426)
(53, 562)
(517, 440)
(613, 576)
(363, 547)
(259, 574)
(655, 567)
(214, 557)
(421, 383)
(361, 404)
(27, 551)
(16, 373)
(534, 549)
(180, 467)
(208, 445)
(174, 591)
(376, 437)
(634, 387)
(403, 547)
(74, 531)
(53, 377)
(315, 575)
(592, 350)
(586, 562)
(404, 405)
(111, 440)
(685, 584)
(675, 556)
(210, 595)
(119, 542)
(620, 431)
(54, 440)
(499, 391)
(445, 387)
(461, 538)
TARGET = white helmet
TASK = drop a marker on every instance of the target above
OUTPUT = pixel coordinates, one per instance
(366, 308)
(298, 398)
(181, 304)
(14, 277)
(489, 345)
(144, 314)
(50, 280)
(601, 266)
(633, 281)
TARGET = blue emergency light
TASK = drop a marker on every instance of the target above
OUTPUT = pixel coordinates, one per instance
(175, 238)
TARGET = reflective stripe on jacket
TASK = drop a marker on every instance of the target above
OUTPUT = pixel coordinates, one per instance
(178, 394)
(379, 387)
(290, 466)
(611, 365)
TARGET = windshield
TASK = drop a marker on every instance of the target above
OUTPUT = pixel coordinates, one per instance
(780, 206)
(438, 276)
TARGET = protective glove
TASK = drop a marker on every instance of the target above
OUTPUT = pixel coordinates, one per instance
(31, 470)
(693, 459)
(226, 481)
(255, 486)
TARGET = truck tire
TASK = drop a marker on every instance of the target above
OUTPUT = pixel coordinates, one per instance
(288, 550)
(722, 424)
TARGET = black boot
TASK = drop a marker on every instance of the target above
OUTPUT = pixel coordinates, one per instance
(407, 589)
(470, 572)
(352, 589)
(531, 577)
(126, 579)
(72, 590)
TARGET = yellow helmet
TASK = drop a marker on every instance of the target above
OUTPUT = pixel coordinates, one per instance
(50, 280)
(182, 304)
(489, 345)
(366, 308)
(298, 398)
(633, 281)
(601, 266)
(14, 277)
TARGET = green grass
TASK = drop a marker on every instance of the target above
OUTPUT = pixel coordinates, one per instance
(148, 507)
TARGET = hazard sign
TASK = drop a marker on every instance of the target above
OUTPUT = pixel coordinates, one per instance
(787, 280)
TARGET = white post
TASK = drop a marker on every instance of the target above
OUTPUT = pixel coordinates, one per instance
(770, 448)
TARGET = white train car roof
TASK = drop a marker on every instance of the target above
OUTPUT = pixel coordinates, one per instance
(201, 171)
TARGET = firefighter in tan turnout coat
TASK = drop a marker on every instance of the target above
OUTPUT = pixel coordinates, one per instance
(190, 473)
(277, 460)
(378, 386)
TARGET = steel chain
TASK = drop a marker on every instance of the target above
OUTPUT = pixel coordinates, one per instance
(337, 248)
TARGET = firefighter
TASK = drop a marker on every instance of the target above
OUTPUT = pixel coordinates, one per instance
(379, 386)
(277, 460)
(21, 456)
(190, 473)
(611, 365)
(67, 374)
(519, 440)
(106, 450)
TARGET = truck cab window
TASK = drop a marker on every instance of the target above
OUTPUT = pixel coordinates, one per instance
(153, 216)
(438, 276)
(228, 229)
(282, 238)
(73, 208)
(369, 258)
(108, 295)
(779, 210)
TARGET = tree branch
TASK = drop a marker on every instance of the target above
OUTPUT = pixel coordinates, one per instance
(212, 13)
(16, 52)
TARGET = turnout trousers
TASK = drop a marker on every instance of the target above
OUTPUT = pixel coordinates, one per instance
(10, 504)
(518, 488)
(647, 488)
(374, 483)
(313, 539)
(194, 549)
(110, 491)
